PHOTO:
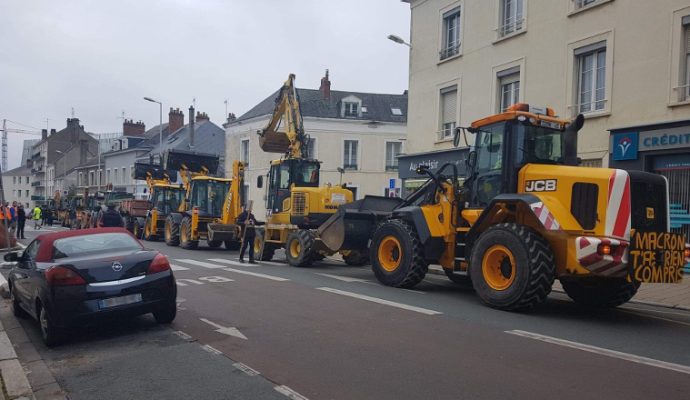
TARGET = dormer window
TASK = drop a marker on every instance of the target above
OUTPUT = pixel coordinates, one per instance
(351, 110)
(396, 111)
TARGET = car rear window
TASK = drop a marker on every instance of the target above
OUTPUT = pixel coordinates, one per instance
(94, 243)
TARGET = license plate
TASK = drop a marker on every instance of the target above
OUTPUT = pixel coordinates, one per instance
(119, 301)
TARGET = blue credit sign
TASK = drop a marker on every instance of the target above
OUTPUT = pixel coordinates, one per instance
(625, 146)
(391, 183)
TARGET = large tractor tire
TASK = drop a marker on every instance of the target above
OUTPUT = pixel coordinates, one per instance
(356, 258)
(172, 232)
(397, 256)
(137, 230)
(263, 251)
(186, 241)
(299, 248)
(214, 244)
(512, 267)
(233, 245)
(150, 230)
(600, 293)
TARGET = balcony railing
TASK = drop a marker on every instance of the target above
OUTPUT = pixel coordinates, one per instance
(350, 166)
(449, 51)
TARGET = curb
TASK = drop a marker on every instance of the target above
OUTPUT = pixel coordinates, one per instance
(15, 384)
(437, 270)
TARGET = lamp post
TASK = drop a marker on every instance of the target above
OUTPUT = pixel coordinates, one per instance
(160, 128)
(399, 40)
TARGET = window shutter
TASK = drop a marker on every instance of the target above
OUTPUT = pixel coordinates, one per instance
(449, 100)
(590, 48)
(687, 37)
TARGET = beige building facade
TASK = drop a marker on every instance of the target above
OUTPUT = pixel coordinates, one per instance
(621, 63)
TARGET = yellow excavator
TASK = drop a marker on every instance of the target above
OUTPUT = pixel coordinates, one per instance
(165, 196)
(296, 203)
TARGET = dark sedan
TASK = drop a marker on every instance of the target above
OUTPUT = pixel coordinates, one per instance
(69, 277)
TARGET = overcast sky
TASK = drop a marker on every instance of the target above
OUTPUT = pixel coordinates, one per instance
(101, 58)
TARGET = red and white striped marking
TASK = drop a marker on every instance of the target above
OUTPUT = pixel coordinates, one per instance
(618, 207)
(614, 264)
(545, 217)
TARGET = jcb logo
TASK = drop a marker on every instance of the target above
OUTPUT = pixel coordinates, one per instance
(545, 185)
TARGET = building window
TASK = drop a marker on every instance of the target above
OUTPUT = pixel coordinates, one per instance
(124, 175)
(451, 34)
(393, 149)
(311, 148)
(511, 17)
(107, 176)
(27, 180)
(583, 3)
(351, 110)
(14, 180)
(115, 178)
(350, 154)
(26, 192)
(591, 67)
(685, 61)
(244, 152)
(92, 180)
(449, 110)
(396, 111)
(508, 88)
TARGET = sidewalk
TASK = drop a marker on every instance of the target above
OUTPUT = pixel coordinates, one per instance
(664, 295)
(14, 383)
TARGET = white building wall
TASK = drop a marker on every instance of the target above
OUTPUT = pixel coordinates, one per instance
(13, 185)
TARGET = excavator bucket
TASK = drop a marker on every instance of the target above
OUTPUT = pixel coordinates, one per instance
(274, 141)
(176, 160)
(142, 171)
(352, 225)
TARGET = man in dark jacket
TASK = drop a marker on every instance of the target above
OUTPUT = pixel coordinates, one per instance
(110, 218)
(247, 223)
(21, 221)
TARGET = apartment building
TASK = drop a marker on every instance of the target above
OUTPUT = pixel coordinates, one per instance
(17, 187)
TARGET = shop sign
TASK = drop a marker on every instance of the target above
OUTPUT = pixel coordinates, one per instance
(657, 257)
(407, 165)
(625, 146)
(665, 139)
(672, 162)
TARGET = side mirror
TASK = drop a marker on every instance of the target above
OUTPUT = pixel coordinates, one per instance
(260, 181)
(471, 160)
(456, 137)
(11, 257)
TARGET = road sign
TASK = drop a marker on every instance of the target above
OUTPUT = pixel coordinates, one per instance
(391, 183)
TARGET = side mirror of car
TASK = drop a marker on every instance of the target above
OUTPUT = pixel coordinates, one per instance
(260, 181)
(11, 257)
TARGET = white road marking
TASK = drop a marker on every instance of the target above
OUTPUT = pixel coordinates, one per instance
(200, 263)
(232, 262)
(604, 352)
(246, 369)
(2, 280)
(225, 330)
(289, 393)
(183, 335)
(381, 301)
(414, 291)
(23, 246)
(343, 278)
(178, 267)
(211, 349)
(274, 263)
(256, 274)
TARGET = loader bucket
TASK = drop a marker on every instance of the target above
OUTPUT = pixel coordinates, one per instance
(176, 160)
(352, 225)
(141, 171)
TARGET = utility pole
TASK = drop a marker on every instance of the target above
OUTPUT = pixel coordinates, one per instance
(4, 145)
(2, 199)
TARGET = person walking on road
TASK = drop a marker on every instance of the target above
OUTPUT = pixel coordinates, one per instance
(110, 218)
(36, 216)
(13, 218)
(21, 221)
(247, 222)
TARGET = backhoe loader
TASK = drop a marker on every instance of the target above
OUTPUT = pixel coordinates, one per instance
(164, 197)
(522, 214)
(296, 203)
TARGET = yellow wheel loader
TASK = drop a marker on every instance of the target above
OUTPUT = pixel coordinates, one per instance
(164, 197)
(521, 215)
(296, 203)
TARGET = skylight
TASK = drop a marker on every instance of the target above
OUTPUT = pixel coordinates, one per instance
(396, 111)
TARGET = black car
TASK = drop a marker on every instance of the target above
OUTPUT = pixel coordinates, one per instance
(70, 277)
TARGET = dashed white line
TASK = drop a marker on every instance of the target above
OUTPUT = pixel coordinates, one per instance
(211, 349)
(283, 264)
(381, 301)
(604, 352)
(178, 267)
(343, 278)
(246, 369)
(232, 262)
(200, 263)
(182, 335)
(256, 274)
(289, 393)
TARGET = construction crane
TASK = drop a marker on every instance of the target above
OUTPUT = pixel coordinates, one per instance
(5, 130)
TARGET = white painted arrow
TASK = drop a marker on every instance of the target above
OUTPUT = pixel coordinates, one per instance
(226, 330)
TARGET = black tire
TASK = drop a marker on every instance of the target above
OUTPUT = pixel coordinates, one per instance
(356, 258)
(463, 280)
(17, 310)
(233, 245)
(129, 224)
(137, 230)
(50, 334)
(172, 232)
(600, 292)
(186, 234)
(214, 244)
(402, 263)
(299, 248)
(166, 314)
(149, 229)
(532, 269)
(263, 251)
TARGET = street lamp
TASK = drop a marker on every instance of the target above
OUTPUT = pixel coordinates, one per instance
(399, 40)
(160, 128)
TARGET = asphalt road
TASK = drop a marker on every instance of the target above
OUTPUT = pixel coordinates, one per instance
(332, 332)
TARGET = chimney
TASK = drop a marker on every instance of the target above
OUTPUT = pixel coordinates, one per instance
(201, 117)
(73, 123)
(191, 127)
(52, 132)
(131, 128)
(83, 147)
(325, 88)
(231, 117)
(175, 120)
(44, 134)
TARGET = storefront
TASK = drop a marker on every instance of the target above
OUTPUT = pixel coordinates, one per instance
(408, 163)
(662, 149)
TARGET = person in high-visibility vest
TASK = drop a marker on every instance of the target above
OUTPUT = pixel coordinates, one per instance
(36, 216)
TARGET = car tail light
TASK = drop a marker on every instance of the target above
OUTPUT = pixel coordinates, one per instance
(59, 275)
(160, 263)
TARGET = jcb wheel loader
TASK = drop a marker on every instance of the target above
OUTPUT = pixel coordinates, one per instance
(164, 197)
(523, 215)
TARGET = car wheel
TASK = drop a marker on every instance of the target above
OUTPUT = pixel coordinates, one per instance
(166, 314)
(17, 310)
(49, 333)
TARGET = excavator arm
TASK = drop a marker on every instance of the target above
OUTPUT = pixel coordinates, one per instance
(292, 141)
(232, 207)
(190, 165)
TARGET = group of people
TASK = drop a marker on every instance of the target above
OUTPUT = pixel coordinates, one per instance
(14, 218)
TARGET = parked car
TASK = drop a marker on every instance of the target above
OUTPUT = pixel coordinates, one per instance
(69, 277)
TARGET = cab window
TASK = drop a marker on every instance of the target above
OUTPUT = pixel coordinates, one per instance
(490, 150)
